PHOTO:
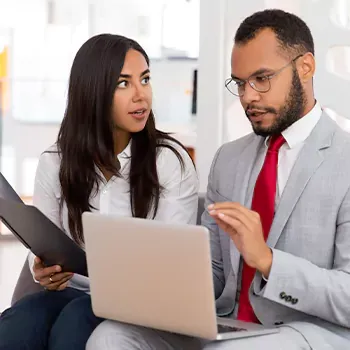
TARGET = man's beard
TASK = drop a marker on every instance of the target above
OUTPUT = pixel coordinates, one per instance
(287, 115)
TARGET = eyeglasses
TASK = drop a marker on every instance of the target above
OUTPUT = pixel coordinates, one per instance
(260, 82)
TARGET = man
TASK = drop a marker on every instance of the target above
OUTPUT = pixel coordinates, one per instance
(278, 204)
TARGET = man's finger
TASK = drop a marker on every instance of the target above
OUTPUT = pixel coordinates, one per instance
(244, 219)
(226, 205)
(220, 205)
(225, 227)
(234, 206)
(232, 224)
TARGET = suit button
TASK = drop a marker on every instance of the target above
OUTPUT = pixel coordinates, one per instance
(295, 301)
(278, 323)
(288, 299)
(283, 295)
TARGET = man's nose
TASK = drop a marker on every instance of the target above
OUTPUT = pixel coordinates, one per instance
(250, 95)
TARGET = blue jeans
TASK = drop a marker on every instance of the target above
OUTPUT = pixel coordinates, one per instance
(48, 321)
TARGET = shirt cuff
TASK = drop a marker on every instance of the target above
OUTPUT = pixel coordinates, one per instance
(31, 258)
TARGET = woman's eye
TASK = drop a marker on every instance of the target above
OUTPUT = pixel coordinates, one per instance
(145, 80)
(122, 84)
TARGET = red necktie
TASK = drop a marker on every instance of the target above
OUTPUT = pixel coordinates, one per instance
(264, 203)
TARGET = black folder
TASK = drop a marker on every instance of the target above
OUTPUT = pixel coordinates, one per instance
(39, 234)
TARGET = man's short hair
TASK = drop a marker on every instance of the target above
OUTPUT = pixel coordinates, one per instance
(291, 31)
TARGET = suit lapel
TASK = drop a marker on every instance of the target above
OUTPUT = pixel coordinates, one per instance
(241, 183)
(243, 170)
(309, 160)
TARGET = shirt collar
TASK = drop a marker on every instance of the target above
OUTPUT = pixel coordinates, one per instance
(299, 131)
(126, 153)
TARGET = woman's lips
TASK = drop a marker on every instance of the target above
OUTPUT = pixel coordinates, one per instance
(139, 114)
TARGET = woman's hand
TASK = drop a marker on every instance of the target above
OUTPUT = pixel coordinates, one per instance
(51, 278)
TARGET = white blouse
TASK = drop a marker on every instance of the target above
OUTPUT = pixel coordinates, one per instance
(177, 203)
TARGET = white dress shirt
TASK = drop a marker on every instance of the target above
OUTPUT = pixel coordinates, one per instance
(178, 201)
(295, 137)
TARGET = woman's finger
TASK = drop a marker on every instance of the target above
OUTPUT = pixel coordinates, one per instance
(62, 286)
(55, 278)
(56, 285)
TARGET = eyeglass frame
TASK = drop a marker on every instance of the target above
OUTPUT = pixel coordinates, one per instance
(245, 81)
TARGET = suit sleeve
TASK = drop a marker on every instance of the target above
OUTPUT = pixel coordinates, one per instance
(299, 284)
(210, 224)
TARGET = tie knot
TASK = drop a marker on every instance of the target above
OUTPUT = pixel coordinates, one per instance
(276, 141)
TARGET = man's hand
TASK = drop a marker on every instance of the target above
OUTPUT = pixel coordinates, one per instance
(245, 229)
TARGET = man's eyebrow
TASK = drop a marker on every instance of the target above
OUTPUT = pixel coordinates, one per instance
(128, 76)
(257, 72)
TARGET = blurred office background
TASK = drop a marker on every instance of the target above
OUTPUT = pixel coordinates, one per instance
(185, 39)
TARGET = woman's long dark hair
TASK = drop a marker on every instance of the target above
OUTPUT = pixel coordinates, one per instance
(86, 139)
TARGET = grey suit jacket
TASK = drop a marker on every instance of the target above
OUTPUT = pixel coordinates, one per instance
(310, 234)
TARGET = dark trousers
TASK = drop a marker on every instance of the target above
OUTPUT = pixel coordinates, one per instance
(48, 321)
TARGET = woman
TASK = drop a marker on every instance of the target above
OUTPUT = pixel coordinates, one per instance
(109, 157)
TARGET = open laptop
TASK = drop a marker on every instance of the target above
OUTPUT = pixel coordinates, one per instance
(156, 275)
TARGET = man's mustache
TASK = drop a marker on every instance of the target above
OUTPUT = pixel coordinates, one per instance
(256, 109)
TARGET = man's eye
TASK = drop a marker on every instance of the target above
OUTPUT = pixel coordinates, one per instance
(239, 83)
(261, 78)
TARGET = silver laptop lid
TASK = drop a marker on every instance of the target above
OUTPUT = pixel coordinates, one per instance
(142, 271)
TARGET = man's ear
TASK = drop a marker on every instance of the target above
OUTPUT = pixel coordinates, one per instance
(306, 66)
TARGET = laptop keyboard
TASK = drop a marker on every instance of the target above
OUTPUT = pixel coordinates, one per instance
(227, 329)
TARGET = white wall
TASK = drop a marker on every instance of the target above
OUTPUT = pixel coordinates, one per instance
(44, 42)
(211, 75)
(42, 47)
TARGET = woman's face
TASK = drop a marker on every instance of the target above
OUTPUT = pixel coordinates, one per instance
(132, 101)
